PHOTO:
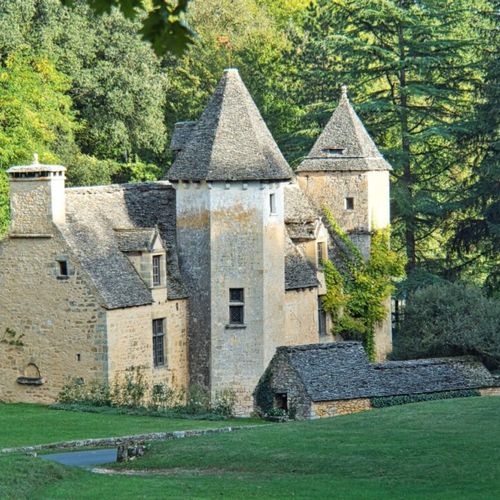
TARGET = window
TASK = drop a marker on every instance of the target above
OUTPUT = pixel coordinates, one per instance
(321, 319)
(349, 203)
(272, 203)
(236, 306)
(156, 270)
(158, 342)
(63, 268)
(334, 151)
(320, 253)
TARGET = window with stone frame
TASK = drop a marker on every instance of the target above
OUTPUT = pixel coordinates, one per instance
(159, 342)
(321, 318)
(156, 265)
(349, 203)
(236, 306)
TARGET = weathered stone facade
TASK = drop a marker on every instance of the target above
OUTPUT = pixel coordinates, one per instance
(337, 408)
(227, 254)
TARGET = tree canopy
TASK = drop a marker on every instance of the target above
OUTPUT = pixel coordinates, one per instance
(80, 85)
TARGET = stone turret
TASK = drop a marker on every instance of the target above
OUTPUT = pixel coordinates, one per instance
(37, 198)
(229, 176)
(345, 172)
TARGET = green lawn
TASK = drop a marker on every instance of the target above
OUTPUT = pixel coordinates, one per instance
(439, 449)
(25, 424)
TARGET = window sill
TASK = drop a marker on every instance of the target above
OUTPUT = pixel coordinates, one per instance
(233, 326)
(63, 278)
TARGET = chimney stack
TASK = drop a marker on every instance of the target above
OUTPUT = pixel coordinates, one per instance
(37, 198)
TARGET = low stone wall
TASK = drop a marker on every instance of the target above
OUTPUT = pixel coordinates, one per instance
(490, 391)
(335, 408)
(117, 441)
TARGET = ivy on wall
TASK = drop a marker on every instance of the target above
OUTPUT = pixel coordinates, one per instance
(357, 289)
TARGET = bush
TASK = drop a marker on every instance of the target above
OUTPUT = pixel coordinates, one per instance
(383, 402)
(450, 319)
(131, 393)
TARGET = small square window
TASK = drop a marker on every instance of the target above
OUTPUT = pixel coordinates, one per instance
(349, 203)
(272, 203)
(63, 268)
(156, 270)
(236, 294)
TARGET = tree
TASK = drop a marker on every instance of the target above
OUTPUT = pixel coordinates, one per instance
(35, 116)
(116, 83)
(162, 21)
(412, 66)
(477, 235)
(243, 34)
(450, 319)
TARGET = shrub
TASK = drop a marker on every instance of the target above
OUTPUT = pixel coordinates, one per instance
(225, 401)
(382, 402)
(449, 319)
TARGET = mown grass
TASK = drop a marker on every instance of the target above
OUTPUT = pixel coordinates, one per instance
(26, 424)
(440, 449)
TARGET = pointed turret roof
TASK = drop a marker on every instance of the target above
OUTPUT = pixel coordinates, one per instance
(344, 144)
(230, 141)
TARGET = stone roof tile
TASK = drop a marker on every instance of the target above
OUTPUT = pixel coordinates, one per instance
(230, 141)
(341, 370)
(93, 214)
(344, 144)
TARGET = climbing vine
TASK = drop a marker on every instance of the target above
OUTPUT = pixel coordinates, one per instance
(357, 289)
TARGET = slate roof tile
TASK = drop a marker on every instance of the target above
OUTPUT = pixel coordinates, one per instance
(93, 215)
(341, 370)
(230, 141)
(344, 144)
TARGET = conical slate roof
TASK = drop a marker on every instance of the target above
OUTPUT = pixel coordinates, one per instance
(230, 141)
(344, 144)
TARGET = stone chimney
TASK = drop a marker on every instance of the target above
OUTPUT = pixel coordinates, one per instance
(37, 198)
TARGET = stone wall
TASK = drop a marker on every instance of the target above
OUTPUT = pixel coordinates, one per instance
(490, 391)
(330, 189)
(247, 249)
(281, 378)
(130, 337)
(62, 326)
(335, 408)
(301, 317)
(193, 240)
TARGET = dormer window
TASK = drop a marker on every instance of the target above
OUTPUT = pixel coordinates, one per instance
(156, 270)
(334, 151)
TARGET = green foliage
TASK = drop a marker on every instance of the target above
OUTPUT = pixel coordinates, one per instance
(84, 170)
(449, 319)
(357, 292)
(414, 70)
(131, 394)
(162, 21)
(383, 402)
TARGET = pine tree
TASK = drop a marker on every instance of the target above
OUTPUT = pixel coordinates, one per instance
(411, 67)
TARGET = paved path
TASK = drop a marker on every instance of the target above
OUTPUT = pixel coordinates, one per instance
(83, 458)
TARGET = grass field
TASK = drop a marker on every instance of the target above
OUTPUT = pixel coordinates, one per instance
(25, 424)
(440, 449)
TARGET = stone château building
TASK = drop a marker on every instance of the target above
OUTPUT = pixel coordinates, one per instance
(197, 279)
